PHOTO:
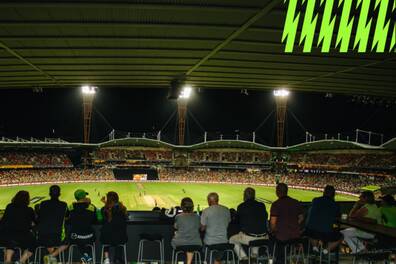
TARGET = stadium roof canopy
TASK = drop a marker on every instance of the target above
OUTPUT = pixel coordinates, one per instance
(321, 145)
(131, 43)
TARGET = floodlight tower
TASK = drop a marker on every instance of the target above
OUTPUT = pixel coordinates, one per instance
(281, 96)
(181, 110)
(88, 93)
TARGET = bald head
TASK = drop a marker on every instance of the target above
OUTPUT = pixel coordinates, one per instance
(213, 198)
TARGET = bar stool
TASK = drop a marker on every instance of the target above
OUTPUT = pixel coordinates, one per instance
(226, 247)
(156, 238)
(322, 246)
(260, 244)
(123, 246)
(38, 251)
(195, 249)
(292, 248)
(71, 249)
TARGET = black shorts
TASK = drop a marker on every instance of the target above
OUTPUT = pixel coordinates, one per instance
(51, 240)
(324, 236)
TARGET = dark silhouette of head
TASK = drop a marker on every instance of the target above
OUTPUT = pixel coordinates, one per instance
(367, 197)
(329, 191)
(54, 192)
(281, 190)
(22, 198)
(249, 194)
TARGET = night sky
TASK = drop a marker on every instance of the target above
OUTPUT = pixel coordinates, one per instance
(58, 113)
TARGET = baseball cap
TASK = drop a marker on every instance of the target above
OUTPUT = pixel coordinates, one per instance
(80, 194)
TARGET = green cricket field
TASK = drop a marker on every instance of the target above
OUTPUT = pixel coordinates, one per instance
(146, 195)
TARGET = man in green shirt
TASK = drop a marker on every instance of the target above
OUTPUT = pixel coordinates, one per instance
(388, 210)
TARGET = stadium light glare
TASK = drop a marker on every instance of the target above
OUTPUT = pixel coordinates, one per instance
(185, 92)
(281, 93)
(88, 90)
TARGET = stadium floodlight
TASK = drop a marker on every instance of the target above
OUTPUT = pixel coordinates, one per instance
(185, 92)
(281, 93)
(88, 90)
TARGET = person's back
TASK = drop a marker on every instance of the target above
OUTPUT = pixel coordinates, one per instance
(323, 214)
(114, 228)
(373, 212)
(215, 218)
(287, 211)
(82, 215)
(389, 215)
(51, 217)
(388, 211)
(187, 229)
(252, 217)
(17, 218)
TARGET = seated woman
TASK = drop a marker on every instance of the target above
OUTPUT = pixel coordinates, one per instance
(364, 210)
(114, 228)
(187, 226)
(16, 227)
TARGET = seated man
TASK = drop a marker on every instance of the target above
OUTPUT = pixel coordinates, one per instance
(82, 216)
(51, 219)
(364, 210)
(214, 221)
(322, 216)
(252, 218)
(287, 215)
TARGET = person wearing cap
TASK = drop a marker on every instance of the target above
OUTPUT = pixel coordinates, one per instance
(388, 210)
(82, 217)
(51, 216)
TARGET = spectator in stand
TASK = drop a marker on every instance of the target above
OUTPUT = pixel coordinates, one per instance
(322, 216)
(388, 210)
(187, 226)
(364, 210)
(51, 230)
(82, 216)
(214, 221)
(16, 228)
(287, 215)
(252, 218)
(114, 228)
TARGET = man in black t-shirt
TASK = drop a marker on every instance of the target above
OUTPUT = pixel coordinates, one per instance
(51, 224)
(82, 217)
(252, 218)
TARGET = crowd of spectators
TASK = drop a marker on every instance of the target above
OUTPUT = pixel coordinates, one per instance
(36, 159)
(342, 182)
(19, 176)
(227, 176)
(112, 154)
(230, 156)
(347, 160)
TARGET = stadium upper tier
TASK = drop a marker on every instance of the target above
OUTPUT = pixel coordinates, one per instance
(37, 159)
(323, 155)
